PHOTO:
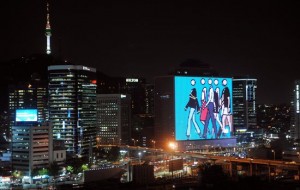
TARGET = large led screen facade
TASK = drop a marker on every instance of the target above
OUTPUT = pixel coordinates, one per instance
(26, 115)
(203, 108)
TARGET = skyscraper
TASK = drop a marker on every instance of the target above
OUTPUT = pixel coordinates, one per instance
(72, 106)
(28, 95)
(164, 128)
(244, 103)
(142, 101)
(295, 111)
(113, 119)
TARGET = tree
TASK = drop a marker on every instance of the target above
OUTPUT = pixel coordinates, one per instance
(43, 171)
(70, 169)
(84, 167)
(17, 174)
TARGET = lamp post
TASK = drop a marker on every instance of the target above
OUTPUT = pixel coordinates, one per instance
(282, 156)
(273, 153)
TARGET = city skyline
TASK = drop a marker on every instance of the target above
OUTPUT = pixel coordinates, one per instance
(152, 38)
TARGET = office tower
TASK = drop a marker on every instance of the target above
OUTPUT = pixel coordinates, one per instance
(164, 127)
(28, 95)
(295, 111)
(142, 102)
(186, 111)
(113, 119)
(178, 116)
(244, 102)
(72, 106)
(134, 86)
(32, 146)
(21, 71)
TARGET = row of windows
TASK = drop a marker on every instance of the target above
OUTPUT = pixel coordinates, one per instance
(61, 155)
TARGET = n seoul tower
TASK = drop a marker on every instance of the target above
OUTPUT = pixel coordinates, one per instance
(48, 31)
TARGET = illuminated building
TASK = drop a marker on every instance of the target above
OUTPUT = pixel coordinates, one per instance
(32, 147)
(135, 87)
(28, 95)
(244, 102)
(48, 31)
(113, 119)
(72, 106)
(295, 111)
(164, 100)
(179, 104)
(142, 102)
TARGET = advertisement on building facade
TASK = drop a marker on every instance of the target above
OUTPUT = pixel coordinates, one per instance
(203, 108)
(24, 115)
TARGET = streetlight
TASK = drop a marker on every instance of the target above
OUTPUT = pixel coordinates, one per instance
(273, 153)
(282, 155)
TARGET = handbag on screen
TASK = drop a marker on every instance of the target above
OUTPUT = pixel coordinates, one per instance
(204, 111)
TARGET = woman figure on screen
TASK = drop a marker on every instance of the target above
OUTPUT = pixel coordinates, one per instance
(226, 112)
(210, 115)
(193, 104)
(217, 108)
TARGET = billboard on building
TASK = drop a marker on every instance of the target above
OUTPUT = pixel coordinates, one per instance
(26, 115)
(203, 108)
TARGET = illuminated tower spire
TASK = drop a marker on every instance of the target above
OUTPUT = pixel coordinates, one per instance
(48, 31)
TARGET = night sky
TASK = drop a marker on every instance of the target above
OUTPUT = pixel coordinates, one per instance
(151, 38)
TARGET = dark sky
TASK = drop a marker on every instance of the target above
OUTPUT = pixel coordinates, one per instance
(150, 38)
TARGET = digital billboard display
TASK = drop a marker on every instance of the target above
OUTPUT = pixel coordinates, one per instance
(26, 115)
(203, 108)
